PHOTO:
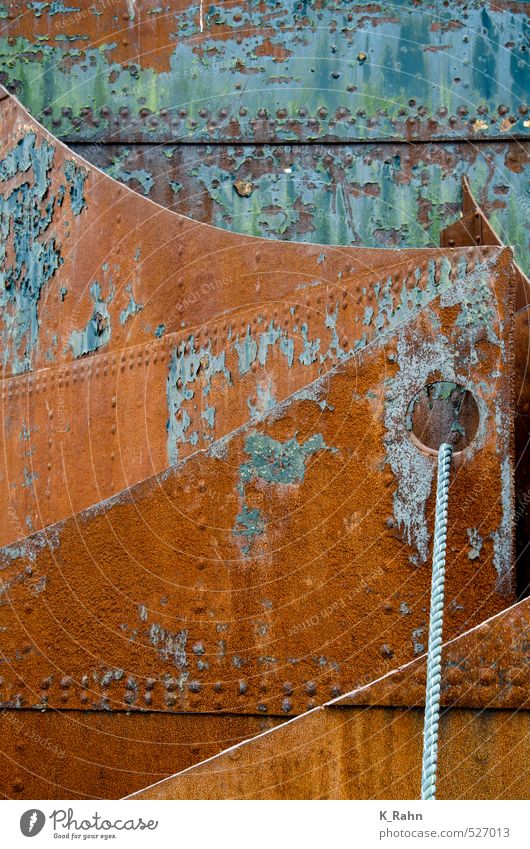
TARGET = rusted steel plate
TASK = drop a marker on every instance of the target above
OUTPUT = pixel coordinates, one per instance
(124, 300)
(473, 228)
(259, 71)
(105, 291)
(363, 746)
(374, 195)
(262, 575)
(77, 755)
(362, 753)
(80, 432)
(522, 443)
(486, 667)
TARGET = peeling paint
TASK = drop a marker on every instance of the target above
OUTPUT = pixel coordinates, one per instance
(380, 195)
(502, 538)
(396, 301)
(368, 57)
(185, 367)
(137, 175)
(98, 330)
(76, 178)
(171, 646)
(475, 543)
(132, 307)
(26, 216)
(279, 463)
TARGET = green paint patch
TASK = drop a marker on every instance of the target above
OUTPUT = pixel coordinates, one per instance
(56, 7)
(186, 366)
(279, 463)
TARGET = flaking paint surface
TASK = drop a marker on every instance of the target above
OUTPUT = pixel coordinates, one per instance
(264, 69)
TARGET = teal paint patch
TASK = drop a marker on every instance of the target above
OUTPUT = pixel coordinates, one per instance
(395, 304)
(311, 347)
(335, 351)
(56, 7)
(476, 310)
(76, 177)
(26, 216)
(502, 538)
(275, 463)
(186, 367)
(160, 330)
(368, 315)
(117, 170)
(208, 414)
(246, 350)
(132, 307)
(29, 479)
(266, 400)
(249, 523)
(268, 339)
(25, 432)
(420, 355)
(379, 195)
(98, 329)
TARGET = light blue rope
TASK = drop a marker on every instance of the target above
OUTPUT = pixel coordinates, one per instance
(434, 651)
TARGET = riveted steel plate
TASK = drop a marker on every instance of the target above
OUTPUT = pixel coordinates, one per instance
(343, 750)
(259, 71)
(487, 667)
(138, 336)
(262, 574)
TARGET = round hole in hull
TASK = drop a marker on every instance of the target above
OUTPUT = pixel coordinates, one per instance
(443, 411)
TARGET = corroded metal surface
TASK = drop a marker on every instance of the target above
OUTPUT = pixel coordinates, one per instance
(344, 751)
(76, 755)
(266, 70)
(259, 574)
(486, 667)
(366, 754)
(109, 301)
(374, 195)
(244, 578)
(216, 579)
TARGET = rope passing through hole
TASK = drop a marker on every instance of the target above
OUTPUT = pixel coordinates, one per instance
(434, 651)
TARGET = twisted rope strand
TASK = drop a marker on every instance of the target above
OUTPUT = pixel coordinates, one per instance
(434, 651)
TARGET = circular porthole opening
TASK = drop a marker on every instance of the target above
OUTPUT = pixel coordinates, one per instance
(443, 411)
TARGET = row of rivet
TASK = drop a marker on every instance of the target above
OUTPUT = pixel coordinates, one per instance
(100, 363)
